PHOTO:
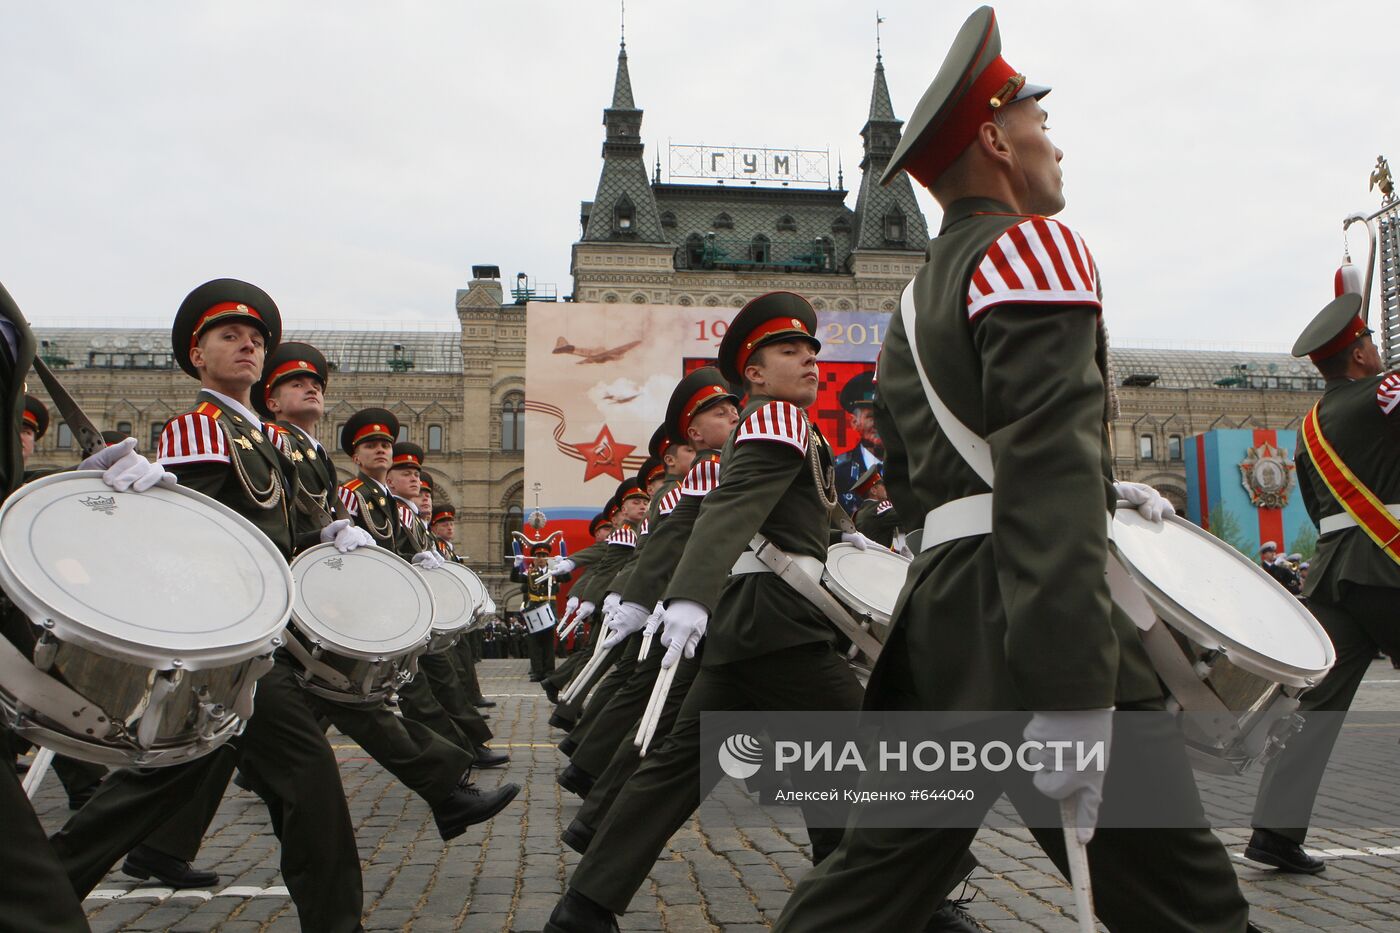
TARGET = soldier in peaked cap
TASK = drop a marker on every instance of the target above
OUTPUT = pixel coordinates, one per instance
(857, 397)
(34, 423)
(980, 624)
(221, 448)
(876, 518)
(767, 647)
(291, 396)
(1349, 474)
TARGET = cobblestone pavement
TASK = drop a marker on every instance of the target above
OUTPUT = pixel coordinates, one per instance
(507, 874)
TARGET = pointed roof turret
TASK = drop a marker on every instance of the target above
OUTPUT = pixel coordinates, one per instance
(886, 217)
(622, 86)
(625, 206)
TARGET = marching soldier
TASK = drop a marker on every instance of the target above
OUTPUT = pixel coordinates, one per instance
(33, 425)
(768, 647)
(438, 670)
(702, 410)
(37, 896)
(876, 517)
(220, 337)
(444, 528)
(990, 618)
(1349, 474)
(536, 593)
(858, 398)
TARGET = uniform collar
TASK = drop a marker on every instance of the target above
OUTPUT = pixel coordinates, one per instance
(303, 432)
(237, 407)
(964, 208)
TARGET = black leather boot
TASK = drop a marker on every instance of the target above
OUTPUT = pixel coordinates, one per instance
(577, 914)
(470, 805)
(143, 862)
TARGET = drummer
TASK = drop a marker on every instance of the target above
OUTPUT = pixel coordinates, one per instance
(443, 525)
(876, 517)
(703, 411)
(1348, 456)
(992, 619)
(769, 648)
(443, 676)
(36, 896)
(221, 335)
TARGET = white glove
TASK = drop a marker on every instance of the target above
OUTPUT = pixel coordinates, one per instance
(653, 621)
(585, 609)
(610, 604)
(683, 625)
(858, 539)
(124, 469)
(428, 560)
(1150, 503)
(346, 536)
(626, 620)
(1075, 727)
(569, 608)
(560, 566)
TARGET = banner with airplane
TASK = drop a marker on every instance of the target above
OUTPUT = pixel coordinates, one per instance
(598, 377)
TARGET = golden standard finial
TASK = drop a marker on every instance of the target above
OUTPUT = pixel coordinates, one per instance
(1381, 178)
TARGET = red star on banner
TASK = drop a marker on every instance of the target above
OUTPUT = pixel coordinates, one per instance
(603, 456)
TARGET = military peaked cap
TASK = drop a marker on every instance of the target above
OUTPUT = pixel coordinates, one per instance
(220, 302)
(858, 390)
(407, 454)
(770, 318)
(288, 361)
(692, 395)
(36, 415)
(1335, 328)
(368, 424)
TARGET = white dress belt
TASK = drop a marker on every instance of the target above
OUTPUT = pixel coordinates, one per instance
(1339, 522)
(967, 517)
(748, 562)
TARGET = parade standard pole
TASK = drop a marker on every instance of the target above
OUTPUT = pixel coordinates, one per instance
(1078, 857)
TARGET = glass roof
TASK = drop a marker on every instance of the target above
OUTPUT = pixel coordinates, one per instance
(1201, 369)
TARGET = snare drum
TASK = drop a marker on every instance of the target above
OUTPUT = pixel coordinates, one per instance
(1233, 648)
(155, 612)
(868, 584)
(454, 604)
(360, 621)
(540, 618)
(481, 599)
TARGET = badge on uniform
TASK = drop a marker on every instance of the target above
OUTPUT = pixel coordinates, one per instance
(243, 442)
(297, 457)
(311, 454)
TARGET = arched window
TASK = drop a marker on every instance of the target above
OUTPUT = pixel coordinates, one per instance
(894, 226)
(624, 215)
(403, 432)
(64, 439)
(435, 437)
(723, 222)
(1145, 446)
(668, 219)
(760, 250)
(124, 427)
(514, 521)
(786, 224)
(1173, 446)
(513, 422)
(827, 251)
(156, 428)
(841, 226)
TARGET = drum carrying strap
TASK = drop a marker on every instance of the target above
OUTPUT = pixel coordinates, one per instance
(787, 568)
(46, 695)
(314, 667)
(1363, 507)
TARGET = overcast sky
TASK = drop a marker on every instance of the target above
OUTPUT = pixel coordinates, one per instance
(355, 159)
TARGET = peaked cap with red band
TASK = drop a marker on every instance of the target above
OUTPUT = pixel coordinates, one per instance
(289, 360)
(650, 469)
(443, 513)
(693, 394)
(598, 521)
(427, 481)
(660, 443)
(629, 488)
(973, 83)
(868, 480)
(407, 454)
(220, 302)
(368, 424)
(770, 318)
(36, 415)
(1335, 328)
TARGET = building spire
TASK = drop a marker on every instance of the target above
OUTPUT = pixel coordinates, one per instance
(878, 20)
(880, 106)
(622, 86)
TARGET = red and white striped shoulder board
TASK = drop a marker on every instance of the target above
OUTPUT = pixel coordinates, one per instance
(1038, 261)
(702, 477)
(1388, 394)
(884, 506)
(781, 422)
(194, 437)
(669, 501)
(624, 536)
(645, 529)
(348, 497)
(406, 516)
(278, 436)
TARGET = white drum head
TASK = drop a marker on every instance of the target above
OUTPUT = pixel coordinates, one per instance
(868, 581)
(475, 585)
(369, 603)
(151, 577)
(1207, 590)
(453, 599)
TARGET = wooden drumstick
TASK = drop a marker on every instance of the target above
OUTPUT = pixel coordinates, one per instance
(663, 690)
(645, 649)
(1077, 854)
(37, 769)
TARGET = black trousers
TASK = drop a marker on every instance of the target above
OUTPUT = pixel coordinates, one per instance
(667, 787)
(1366, 619)
(35, 894)
(284, 751)
(1163, 880)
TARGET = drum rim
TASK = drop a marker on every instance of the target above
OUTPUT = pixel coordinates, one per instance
(459, 624)
(153, 657)
(1207, 635)
(849, 599)
(471, 580)
(316, 635)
